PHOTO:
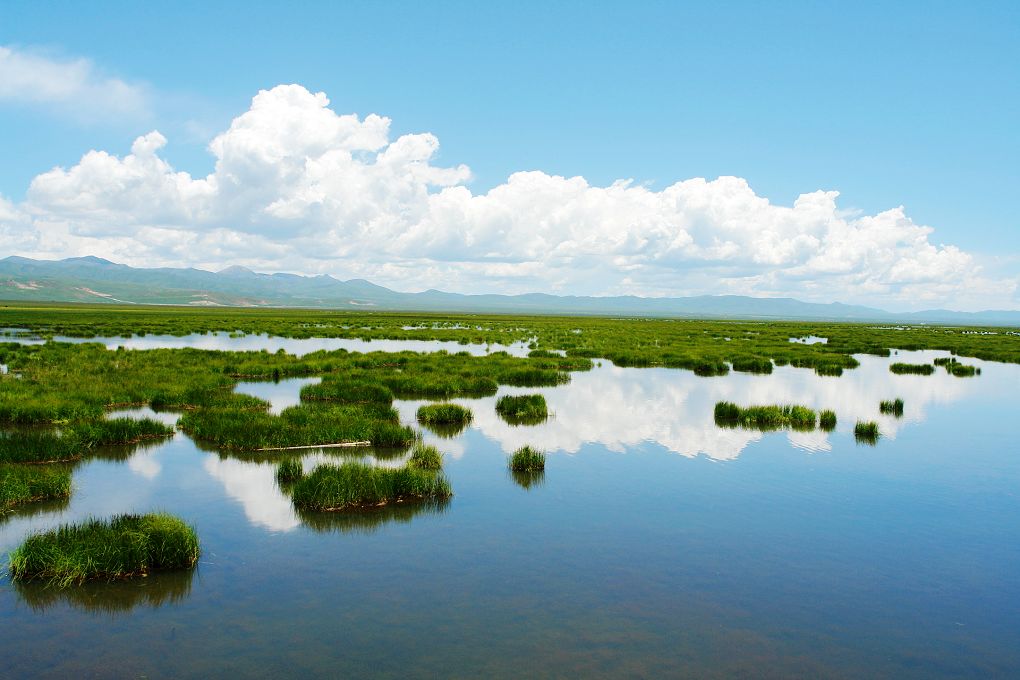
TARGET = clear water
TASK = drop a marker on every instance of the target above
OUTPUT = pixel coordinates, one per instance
(273, 343)
(656, 544)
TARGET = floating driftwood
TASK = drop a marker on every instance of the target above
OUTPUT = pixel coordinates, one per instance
(341, 445)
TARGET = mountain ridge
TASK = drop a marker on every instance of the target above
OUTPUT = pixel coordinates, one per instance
(94, 279)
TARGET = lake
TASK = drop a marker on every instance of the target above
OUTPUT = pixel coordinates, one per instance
(655, 544)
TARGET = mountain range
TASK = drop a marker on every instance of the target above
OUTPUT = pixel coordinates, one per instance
(93, 279)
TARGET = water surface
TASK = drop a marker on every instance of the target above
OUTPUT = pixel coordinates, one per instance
(656, 544)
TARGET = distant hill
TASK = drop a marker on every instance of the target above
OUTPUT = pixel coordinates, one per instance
(93, 279)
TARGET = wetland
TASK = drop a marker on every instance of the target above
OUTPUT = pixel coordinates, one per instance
(646, 530)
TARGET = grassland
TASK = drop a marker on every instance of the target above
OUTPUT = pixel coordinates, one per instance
(21, 484)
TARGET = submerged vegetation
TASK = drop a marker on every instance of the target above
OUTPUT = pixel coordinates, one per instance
(894, 407)
(355, 485)
(20, 484)
(527, 459)
(866, 432)
(728, 414)
(524, 409)
(125, 546)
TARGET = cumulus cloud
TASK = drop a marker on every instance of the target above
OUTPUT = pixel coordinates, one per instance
(298, 187)
(71, 86)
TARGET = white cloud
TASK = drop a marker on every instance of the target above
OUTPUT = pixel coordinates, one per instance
(297, 187)
(71, 86)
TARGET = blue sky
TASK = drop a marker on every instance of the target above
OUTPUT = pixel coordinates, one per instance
(890, 104)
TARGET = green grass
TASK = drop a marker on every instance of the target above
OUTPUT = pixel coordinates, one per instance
(963, 371)
(125, 546)
(289, 470)
(894, 407)
(911, 369)
(527, 459)
(443, 414)
(827, 420)
(425, 457)
(525, 409)
(354, 485)
(38, 447)
(20, 484)
(867, 432)
(752, 365)
(120, 431)
(728, 414)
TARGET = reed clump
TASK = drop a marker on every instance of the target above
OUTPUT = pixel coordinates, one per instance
(527, 459)
(524, 409)
(444, 414)
(20, 484)
(894, 407)
(356, 485)
(122, 547)
(773, 417)
(425, 457)
(289, 470)
(866, 432)
(911, 369)
(827, 420)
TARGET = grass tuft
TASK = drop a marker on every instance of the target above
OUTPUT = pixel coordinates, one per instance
(355, 485)
(425, 457)
(21, 484)
(911, 369)
(894, 407)
(827, 420)
(527, 459)
(867, 432)
(125, 546)
(728, 414)
(444, 414)
(525, 409)
(289, 470)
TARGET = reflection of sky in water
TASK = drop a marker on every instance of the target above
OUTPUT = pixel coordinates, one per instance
(296, 346)
(621, 407)
(279, 394)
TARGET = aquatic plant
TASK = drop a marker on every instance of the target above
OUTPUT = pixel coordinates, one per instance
(894, 407)
(443, 414)
(827, 420)
(289, 470)
(527, 459)
(867, 432)
(963, 371)
(752, 365)
(916, 369)
(119, 431)
(774, 417)
(347, 392)
(425, 457)
(20, 484)
(38, 447)
(356, 485)
(125, 546)
(524, 409)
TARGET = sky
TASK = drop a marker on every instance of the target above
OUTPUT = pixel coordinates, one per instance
(854, 152)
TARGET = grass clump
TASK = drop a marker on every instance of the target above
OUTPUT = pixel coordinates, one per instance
(425, 457)
(866, 432)
(527, 459)
(827, 420)
(21, 484)
(525, 409)
(38, 447)
(728, 414)
(911, 369)
(894, 407)
(120, 431)
(752, 365)
(356, 485)
(125, 546)
(289, 470)
(444, 414)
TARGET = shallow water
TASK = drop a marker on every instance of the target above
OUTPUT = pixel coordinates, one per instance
(656, 544)
(273, 343)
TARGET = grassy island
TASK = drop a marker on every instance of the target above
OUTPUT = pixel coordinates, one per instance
(728, 414)
(20, 484)
(125, 546)
(525, 409)
(350, 486)
(527, 459)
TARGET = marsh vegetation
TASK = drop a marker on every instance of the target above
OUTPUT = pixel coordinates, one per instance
(527, 459)
(125, 546)
(523, 409)
(772, 417)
